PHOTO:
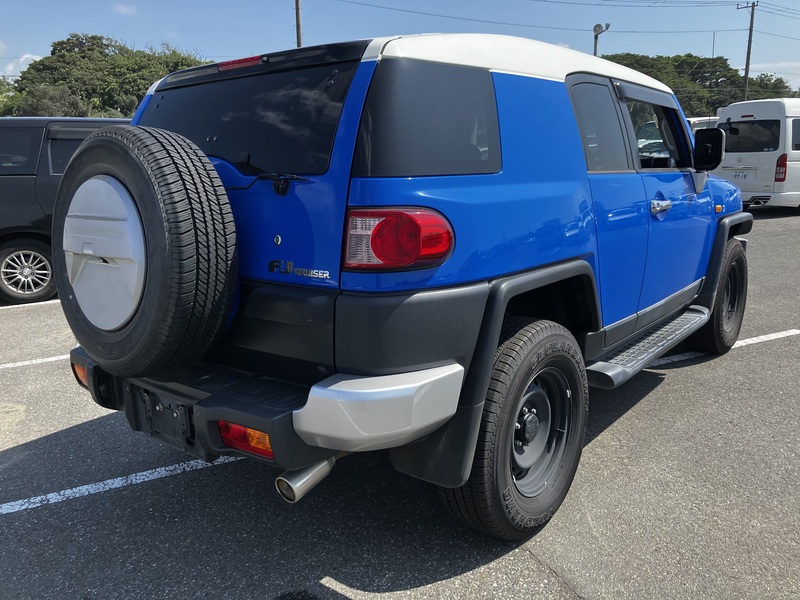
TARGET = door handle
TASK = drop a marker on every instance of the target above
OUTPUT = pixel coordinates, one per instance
(659, 206)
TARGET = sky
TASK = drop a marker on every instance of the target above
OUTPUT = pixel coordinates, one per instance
(221, 30)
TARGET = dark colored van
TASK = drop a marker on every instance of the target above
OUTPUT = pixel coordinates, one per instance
(34, 151)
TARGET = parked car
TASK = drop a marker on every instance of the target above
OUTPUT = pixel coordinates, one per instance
(34, 151)
(428, 244)
(762, 150)
(702, 122)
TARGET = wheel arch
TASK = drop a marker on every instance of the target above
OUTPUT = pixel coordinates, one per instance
(728, 227)
(445, 457)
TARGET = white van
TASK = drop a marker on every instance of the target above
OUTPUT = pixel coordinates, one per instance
(762, 150)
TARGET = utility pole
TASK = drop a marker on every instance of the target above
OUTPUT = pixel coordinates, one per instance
(299, 27)
(752, 7)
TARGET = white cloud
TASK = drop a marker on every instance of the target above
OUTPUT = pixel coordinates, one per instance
(19, 64)
(3, 47)
(125, 10)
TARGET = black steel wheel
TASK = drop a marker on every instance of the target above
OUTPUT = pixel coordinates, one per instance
(531, 435)
(722, 330)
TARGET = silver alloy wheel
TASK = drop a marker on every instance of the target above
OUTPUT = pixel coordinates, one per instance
(104, 248)
(26, 272)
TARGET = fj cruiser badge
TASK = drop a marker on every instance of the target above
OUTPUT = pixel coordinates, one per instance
(288, 268)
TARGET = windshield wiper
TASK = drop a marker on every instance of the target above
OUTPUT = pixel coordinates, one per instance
(280, 181)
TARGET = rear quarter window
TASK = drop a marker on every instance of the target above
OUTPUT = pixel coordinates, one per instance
(752, 136)
(424, 119)
(19, 150)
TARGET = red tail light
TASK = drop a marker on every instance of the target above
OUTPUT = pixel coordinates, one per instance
(780, 168)
(244, 438)
(396, 239)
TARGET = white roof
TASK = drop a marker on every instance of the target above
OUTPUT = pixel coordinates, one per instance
(507, 54)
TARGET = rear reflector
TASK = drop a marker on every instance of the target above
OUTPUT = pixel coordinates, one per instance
(396, 239)
(80, 374)
(246, 439)
(780, 169)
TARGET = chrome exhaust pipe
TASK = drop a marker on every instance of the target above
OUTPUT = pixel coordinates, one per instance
(293, 485)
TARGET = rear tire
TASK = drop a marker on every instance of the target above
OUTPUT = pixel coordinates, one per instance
(531, 434)
(26, 271)
(145, 250)
(722, 330)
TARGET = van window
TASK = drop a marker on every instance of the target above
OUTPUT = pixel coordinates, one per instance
(795, 134)
(423, 118)
(19, 150)
(752, 136)
(601, 131)
(657, 136)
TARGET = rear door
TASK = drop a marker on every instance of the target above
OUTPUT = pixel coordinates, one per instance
(680, 219)
(753, 143)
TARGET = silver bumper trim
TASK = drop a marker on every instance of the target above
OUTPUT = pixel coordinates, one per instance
(354, 413)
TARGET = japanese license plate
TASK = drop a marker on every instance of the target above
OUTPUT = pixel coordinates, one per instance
(739, 175)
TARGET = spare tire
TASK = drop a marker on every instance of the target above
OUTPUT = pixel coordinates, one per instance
(144, 249)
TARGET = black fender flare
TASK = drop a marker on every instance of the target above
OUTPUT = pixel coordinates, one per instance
(445, 456)
(731, 225)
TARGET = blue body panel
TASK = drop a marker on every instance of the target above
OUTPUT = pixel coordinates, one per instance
(621, 214)
(536, 211)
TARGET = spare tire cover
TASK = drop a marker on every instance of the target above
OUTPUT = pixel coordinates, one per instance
(144, 249)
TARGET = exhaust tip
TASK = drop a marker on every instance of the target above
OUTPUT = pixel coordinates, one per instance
(293, 485)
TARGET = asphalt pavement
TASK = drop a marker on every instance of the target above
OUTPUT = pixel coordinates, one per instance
(688, 488)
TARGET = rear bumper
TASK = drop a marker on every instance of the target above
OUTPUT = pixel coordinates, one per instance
(791, 199)
(305, 424)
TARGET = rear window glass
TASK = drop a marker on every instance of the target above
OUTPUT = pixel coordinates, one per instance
(424, 118)
(752, 136)
(283, 122)
(61, 150)
(19, 150)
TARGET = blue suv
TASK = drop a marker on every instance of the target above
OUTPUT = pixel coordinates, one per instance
(432, 245)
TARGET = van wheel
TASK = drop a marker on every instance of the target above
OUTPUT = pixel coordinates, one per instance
(722, 330)
(145, 250)
(26, 271)
(531, 434)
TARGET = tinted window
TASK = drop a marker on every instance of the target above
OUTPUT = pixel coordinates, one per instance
(19, 150)
(603, 138)
(276, 122)
(752, 136)
(795, 134)
(60, 153)
(425, 118)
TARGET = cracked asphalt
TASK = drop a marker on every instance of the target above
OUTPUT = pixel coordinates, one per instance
(688, 488)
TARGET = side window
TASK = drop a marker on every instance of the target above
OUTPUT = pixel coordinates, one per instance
(601, 131)
(426, 119)
(61, 150)
(19, 150)
(657, 136)
(795, 134)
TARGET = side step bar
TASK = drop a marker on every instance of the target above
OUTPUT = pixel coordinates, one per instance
(618, 367)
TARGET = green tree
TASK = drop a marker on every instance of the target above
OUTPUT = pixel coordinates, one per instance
(91, 75)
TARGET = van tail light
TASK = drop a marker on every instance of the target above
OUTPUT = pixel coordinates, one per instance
(396, 238)
(780, 168)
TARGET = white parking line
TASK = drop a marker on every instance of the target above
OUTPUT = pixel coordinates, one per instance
(37, 361)
(136, 478)
(755, 340)
(29, 305)
(110, 484)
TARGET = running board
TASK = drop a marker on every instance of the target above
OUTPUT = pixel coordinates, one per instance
(619, 367)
